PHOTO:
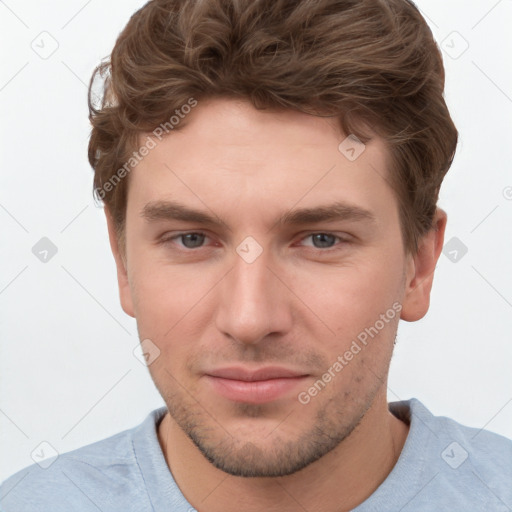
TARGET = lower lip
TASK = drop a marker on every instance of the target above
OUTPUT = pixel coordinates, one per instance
(256, 392)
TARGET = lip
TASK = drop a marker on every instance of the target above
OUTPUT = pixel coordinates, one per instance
(259, 374)
(254, 386)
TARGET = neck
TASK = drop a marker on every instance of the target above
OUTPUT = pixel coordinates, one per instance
(339, 481)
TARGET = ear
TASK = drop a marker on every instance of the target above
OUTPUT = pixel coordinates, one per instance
(125, 293)
(420, 270)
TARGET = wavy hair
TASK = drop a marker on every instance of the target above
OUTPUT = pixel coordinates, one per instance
(373, 64)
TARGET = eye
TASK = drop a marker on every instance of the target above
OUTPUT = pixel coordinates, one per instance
(324, 240)
(196, 239)
(191, 240)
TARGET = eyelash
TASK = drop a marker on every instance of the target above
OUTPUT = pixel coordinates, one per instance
(343, 241)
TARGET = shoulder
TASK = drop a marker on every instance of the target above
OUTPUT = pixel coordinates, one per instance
(464, 466)
(486, 451)
(79, 479)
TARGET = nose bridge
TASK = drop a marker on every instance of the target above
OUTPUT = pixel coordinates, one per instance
(252, 300)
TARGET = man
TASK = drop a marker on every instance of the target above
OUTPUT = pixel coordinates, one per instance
(270, 172)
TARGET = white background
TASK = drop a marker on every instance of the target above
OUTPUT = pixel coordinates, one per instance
(68, 374)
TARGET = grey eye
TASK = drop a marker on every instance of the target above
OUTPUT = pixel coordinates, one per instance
(192, 240)
(324, 240)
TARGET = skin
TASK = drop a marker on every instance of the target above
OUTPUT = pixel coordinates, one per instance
(296, 306)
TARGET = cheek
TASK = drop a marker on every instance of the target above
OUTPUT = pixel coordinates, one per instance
(172, 307)
(349, 297)
(157, 286)
(347, 304)
(156, 298)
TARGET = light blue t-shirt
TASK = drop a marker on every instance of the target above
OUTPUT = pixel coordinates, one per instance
(444, 466)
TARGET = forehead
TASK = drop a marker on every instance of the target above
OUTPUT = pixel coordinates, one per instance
(228, 154)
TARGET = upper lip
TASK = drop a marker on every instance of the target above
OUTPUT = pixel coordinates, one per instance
(268, 372)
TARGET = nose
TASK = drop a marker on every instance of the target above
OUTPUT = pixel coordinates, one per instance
(254, 301)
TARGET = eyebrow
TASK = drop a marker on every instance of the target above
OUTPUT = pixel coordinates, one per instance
(337, 211)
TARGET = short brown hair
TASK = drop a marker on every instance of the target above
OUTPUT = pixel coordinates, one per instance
(370, 63)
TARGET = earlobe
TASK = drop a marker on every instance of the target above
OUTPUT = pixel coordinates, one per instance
(125, 294)
(420, 271)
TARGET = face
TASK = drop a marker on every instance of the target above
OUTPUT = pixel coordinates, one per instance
(262, 276)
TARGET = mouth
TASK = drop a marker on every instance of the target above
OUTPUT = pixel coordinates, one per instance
(254, 386)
